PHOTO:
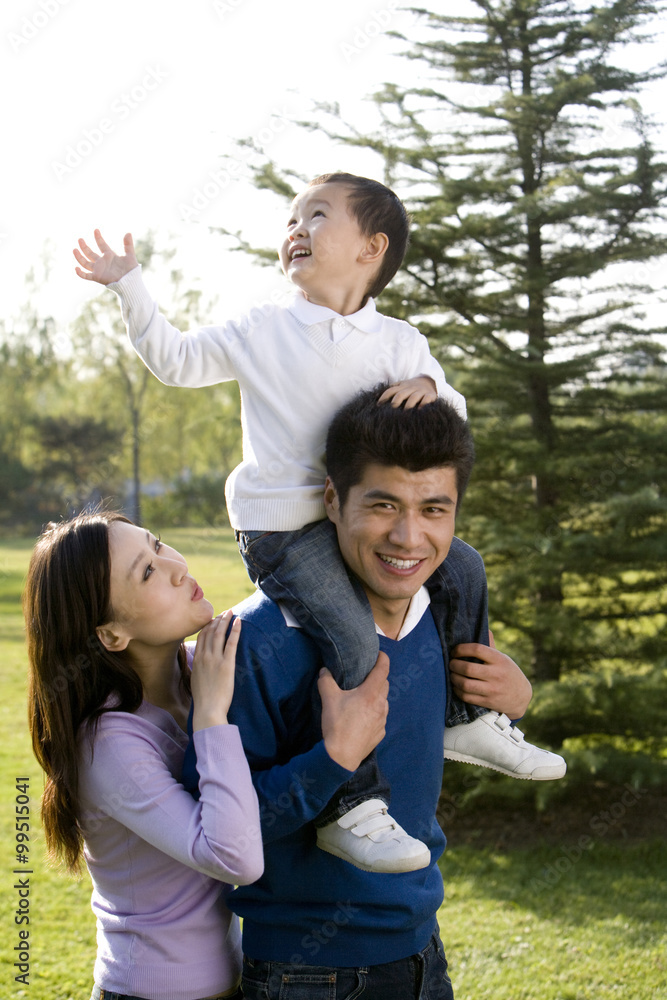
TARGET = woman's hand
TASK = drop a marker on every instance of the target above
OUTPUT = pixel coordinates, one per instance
(106, 266)
(213, 671)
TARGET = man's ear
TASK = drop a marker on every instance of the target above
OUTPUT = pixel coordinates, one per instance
(375, 248)
(331, 501)
(113, 637)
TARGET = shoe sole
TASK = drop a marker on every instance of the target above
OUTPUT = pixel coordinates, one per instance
(539, 774)
(422, 863)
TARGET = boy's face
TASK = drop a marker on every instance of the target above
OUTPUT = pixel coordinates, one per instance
(325, 252)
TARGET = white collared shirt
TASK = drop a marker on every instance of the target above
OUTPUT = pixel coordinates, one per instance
(418, 605)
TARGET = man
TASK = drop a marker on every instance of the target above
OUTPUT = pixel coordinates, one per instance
(315, 925)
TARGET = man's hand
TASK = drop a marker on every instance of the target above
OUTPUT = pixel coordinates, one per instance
(353, 722)
(106, 266)
(496, 683)
(412, 391)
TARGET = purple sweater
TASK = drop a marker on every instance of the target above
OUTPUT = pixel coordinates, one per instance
(158, 859)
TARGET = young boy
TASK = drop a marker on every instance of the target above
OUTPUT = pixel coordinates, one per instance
(296, 366)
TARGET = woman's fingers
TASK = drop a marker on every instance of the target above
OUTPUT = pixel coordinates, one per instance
(213, 637)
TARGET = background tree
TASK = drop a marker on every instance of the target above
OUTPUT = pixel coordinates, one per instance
(101, 338)
(81, 418)
(72, 458)
(171, 435)
(32, 375)
(528, 215)
(539, 206)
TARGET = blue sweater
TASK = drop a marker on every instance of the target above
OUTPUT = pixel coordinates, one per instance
(310, 907)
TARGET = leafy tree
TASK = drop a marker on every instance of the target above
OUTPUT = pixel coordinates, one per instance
(74, 457)
(31, 378)
(80, 415)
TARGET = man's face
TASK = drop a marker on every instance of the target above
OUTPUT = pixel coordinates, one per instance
(394, 530)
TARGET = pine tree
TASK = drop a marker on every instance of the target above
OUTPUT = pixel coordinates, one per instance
(538, 204)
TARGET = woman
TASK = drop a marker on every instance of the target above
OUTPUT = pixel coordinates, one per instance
(107, 606)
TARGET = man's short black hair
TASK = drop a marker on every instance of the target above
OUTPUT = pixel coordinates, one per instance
(364, 433)
(377, 210)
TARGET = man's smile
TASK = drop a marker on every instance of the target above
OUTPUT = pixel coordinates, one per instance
(399, 563)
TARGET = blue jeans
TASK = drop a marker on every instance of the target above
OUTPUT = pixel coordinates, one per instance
(305, 572)
(420, 977)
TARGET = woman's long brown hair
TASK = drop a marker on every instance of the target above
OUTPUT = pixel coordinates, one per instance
(72, 678)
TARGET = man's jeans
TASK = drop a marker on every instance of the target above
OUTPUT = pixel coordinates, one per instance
(420, 977)
(304, 571)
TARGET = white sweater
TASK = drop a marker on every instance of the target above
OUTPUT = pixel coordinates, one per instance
(294, 373)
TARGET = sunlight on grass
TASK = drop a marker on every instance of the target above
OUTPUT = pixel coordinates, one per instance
(546, 924)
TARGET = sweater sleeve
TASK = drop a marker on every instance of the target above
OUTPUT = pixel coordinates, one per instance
(425, 364)
(294, 794)
(292, 772)
(195, 358)
(413, 357)
(127, 779)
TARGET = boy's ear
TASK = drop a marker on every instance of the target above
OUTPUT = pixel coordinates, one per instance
(375, 248)
(113, 637)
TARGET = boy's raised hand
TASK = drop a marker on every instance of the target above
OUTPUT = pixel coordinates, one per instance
(106, 266)
(412, 392)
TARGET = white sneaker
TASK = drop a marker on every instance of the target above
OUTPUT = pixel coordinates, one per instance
(492, 741)
(369, 838)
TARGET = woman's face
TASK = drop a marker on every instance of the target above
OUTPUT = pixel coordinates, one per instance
(154, 598)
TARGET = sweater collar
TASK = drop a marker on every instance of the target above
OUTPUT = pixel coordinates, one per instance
(367, 319)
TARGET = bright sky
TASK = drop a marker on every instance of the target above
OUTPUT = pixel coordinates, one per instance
(116, 115)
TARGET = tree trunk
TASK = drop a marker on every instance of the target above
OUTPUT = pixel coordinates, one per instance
(135, 504)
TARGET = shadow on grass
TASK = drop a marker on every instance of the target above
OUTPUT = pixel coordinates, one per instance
(601, 882)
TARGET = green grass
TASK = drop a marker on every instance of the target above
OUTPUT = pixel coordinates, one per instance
(542, 924)
(529, 924)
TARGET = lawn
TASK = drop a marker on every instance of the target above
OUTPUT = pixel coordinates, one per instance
(580, 917)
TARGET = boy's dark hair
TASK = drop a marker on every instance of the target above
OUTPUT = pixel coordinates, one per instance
(377, 210)
(364, 433)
